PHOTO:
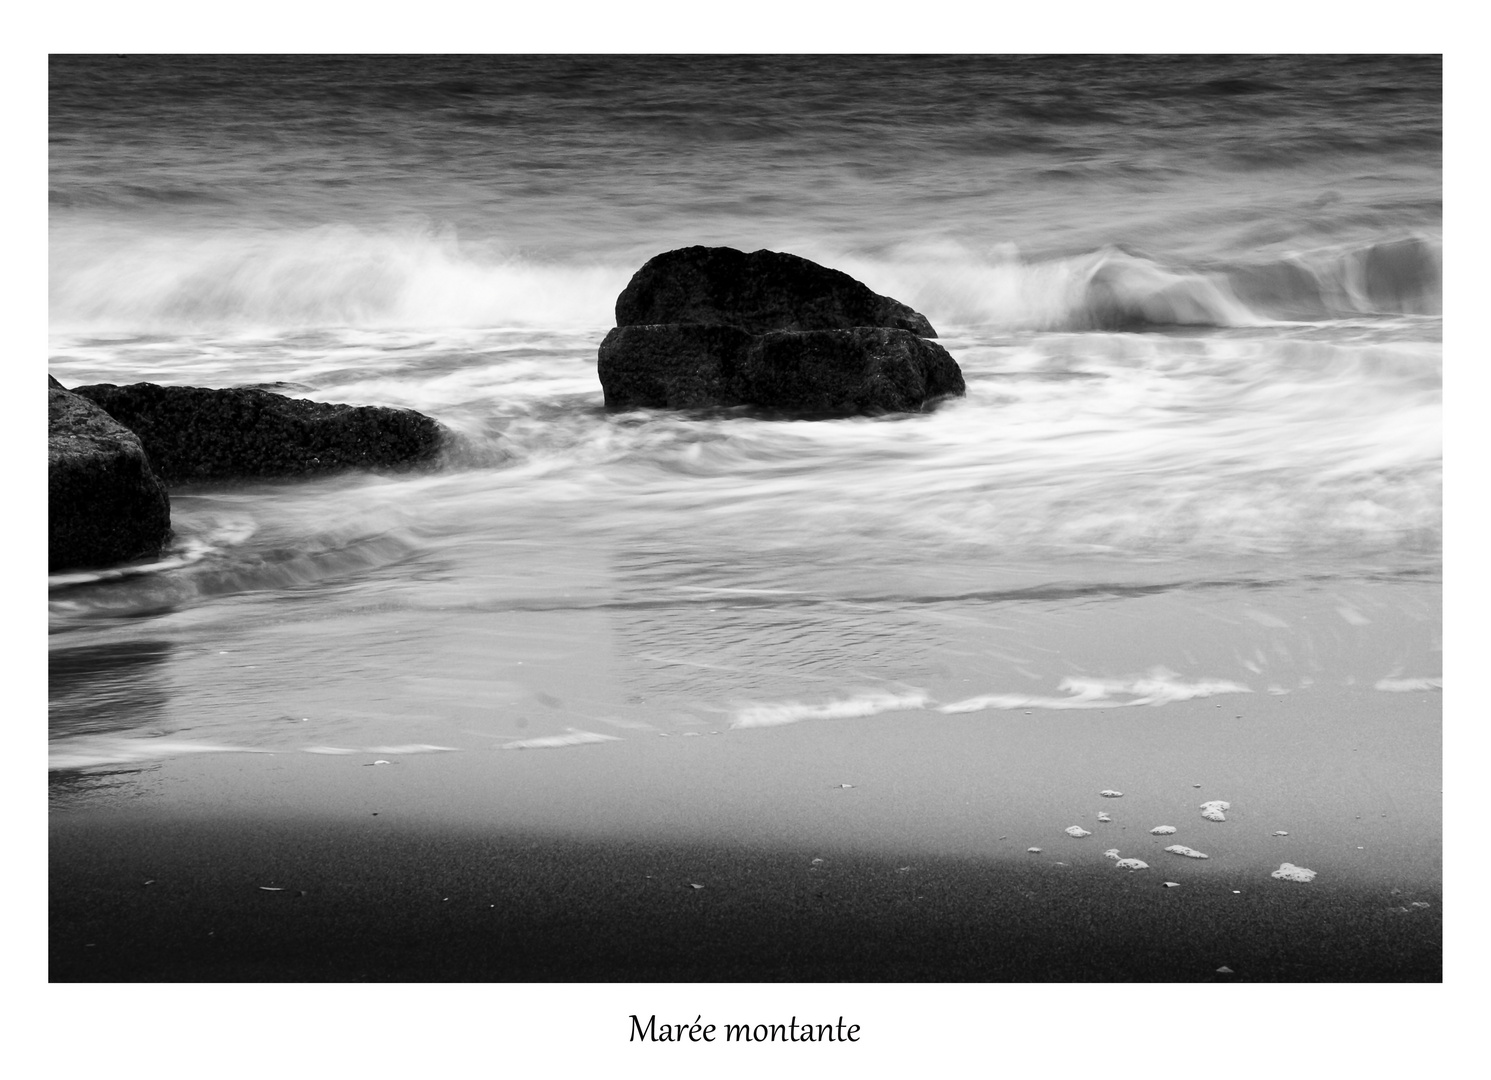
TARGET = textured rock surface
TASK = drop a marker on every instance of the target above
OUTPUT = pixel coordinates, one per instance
(673, 366)
(835, 372)
(706, 326)
(197, 434)
(757, 292)
(104, 504)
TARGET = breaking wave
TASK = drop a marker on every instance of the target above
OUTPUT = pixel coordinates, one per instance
(109, 277)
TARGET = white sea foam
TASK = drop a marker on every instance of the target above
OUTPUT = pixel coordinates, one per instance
(1404, 686)
(1190, 853)
(549, 742)
(1290, 872)
(868, 703)
(1213, 809)
(334, 275)
(1159, 687)
(83, 754)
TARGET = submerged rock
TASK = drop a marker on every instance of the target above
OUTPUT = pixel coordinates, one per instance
(1111, 794)
(105, 504)
(714, 327)
(1077, 831)
(1131, 864)
(1162, 830)
(196, 434)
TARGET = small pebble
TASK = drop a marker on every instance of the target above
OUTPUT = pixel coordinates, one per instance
(1190, 853)
(1033, 850)
(1172, 884)
(694, 885)
(1111, 853)
(1131, 864)
(1077, 831)
(1419, 904)
(1224, 970)
(1162, 830)
(1111, 794)
(1281, 832)
(1103, 817)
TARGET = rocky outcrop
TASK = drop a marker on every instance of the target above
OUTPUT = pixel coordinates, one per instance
(104, 503)
(756, 292)
(701, 327)
(866, 369)
(193, 434)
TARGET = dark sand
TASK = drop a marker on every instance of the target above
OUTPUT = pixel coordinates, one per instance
(579, 863)
(407, 905)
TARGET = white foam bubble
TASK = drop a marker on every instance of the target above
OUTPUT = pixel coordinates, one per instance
(547, 742)
(1190, 853)
(1212, 811)
(1160, 686)
(791, 712)
(1405, 686)
(1290, 872)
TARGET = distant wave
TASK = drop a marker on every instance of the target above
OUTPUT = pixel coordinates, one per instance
(1118, 290)
(115, 278)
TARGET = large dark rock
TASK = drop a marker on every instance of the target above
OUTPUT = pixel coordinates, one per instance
(104, 504)
(673, 366)
(867, 369)
(701, 327)
(197, 434)
(756, 292)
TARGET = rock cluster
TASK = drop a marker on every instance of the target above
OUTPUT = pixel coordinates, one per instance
(104, 503)
(196, 434)
(112, 451)
(703, 327)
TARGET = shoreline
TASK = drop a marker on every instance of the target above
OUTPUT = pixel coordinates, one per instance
(889, 848)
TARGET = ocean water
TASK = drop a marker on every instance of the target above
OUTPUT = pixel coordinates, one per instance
(1196, 301)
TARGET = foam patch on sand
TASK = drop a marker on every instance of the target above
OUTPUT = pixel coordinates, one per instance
(1190, 853)
(406, 748)
(792, 712)
(1212, 811)
(1159, 687)
(1406, 686)
(1289, 872)
(127, 751)
(551, 742)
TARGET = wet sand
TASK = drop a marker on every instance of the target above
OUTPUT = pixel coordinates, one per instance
(581, 863)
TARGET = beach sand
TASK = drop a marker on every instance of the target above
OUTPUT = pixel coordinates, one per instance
(786, 854)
